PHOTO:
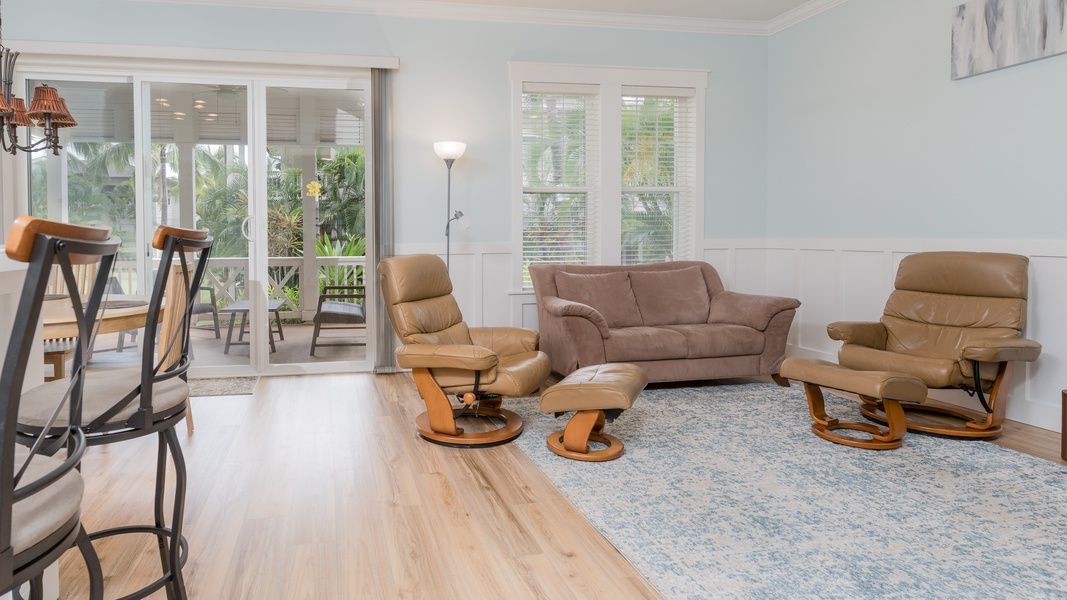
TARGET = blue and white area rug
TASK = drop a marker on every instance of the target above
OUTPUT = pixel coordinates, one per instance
(724, 492)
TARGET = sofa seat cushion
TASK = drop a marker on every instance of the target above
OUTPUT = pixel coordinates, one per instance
(934, 372)
(630, 344)
(609, 293)
(714, 340)
(674, 297)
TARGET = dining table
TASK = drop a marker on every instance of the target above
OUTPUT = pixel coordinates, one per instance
(120, 312)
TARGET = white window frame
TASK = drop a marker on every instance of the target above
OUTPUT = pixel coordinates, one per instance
(611, 81)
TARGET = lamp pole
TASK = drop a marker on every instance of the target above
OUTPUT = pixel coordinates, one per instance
(449, 152)
(448, 216)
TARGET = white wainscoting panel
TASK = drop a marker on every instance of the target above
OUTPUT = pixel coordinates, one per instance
(864, 285)
(495, 278)
(720, 259)
(750, 271)
(820, 297)
(783, 280)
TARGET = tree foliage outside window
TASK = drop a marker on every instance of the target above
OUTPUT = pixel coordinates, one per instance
(556, 209)
(649, 174)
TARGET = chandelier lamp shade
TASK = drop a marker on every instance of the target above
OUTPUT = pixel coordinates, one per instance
(449, 152)
(47, 110)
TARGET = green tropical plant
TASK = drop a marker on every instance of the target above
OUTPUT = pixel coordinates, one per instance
(342, 206)
(340, 274)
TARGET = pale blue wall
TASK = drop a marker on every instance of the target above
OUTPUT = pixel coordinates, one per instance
(453, 84)
(870, 137)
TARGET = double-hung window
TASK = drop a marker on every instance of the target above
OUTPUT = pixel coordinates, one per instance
(607, 164)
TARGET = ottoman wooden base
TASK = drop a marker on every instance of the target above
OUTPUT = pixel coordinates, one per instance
(590, 392)
(884, 388)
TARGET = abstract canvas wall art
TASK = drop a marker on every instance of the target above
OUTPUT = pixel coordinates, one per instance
(993, 34)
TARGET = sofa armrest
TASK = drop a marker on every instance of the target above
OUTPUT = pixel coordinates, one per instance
(558, 307)
(751, 310)
(870, 334)
(995, 350)
(505, 341)
(446, 356)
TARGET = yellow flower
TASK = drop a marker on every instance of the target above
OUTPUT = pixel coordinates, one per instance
(314, 189)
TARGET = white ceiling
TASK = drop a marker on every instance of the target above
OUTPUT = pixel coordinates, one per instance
(744, 17)
(730, 10)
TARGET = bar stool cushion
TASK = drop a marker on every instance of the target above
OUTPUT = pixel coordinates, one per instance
(42, 514)
(102, 390)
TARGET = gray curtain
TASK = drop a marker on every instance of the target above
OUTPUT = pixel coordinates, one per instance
(382, 198)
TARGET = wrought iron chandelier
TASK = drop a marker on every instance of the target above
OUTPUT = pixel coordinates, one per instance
(47, 109)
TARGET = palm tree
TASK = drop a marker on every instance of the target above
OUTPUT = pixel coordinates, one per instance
(342, 206)
(222, 200)
(100, 188)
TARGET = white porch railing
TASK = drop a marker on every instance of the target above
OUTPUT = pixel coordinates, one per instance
(300, 295)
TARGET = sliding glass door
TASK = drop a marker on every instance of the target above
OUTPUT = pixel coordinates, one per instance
(275, 170)
(194, 157)
(316, 220)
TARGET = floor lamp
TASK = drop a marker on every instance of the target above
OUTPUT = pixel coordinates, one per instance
(449, 152)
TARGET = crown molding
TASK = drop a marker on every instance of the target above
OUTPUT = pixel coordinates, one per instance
(416, 9)
(800, 13)
(47, 55)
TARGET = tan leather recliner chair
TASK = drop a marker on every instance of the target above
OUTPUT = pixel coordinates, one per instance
(478, 365)
(955, 320)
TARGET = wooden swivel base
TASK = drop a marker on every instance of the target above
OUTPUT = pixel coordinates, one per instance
(947, 420)
(438, 423)
(573, 441)
(885, 388)
(882, 438)
(971, 428)
(510, 430)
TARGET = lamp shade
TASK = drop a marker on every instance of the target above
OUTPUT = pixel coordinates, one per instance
(449, 150)
(19, 118)
(63, 118)
(45, 102)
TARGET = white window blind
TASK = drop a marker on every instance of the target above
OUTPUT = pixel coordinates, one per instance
(560, 166)
(658, 174)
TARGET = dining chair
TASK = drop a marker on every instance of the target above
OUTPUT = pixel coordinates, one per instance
(208, 306)
(41, 494)
(122, 404)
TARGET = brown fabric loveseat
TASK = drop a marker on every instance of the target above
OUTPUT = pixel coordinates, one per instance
(673, 319)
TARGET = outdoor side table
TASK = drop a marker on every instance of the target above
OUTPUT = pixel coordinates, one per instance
(239, 309)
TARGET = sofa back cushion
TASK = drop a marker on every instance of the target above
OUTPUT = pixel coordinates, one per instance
(674, 297)
(609, 293)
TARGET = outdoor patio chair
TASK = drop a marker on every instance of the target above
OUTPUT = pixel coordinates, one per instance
(209, 307)
(340, 307)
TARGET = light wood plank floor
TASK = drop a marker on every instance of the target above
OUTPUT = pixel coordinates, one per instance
(317, 487)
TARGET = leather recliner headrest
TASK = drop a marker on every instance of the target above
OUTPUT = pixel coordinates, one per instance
(412, 278)
(987, 274)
